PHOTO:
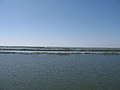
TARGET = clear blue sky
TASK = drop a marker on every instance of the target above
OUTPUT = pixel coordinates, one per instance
(74, 23)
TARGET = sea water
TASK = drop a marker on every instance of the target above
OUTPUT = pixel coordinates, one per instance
(59, 72)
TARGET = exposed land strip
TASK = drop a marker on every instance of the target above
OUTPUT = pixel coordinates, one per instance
(56, 50)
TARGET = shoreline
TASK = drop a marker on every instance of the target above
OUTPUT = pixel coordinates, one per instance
(57, 50)
(62, 53)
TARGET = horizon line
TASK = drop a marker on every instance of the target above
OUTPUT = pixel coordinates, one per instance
(58, 46)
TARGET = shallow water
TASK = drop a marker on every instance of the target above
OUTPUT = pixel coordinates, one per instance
(59, 72)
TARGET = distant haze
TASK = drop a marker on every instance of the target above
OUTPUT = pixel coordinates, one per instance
(62, 23)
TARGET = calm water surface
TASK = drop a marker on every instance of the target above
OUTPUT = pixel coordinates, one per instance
(59, 72)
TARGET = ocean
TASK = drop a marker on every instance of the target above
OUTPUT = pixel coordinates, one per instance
(59, 71)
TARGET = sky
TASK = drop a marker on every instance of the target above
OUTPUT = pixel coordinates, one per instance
(62, 23)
